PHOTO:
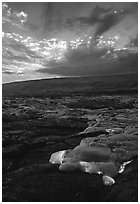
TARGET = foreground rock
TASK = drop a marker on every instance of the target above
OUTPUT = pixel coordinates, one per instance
(106, 155)
(34, 128)
(37, 184)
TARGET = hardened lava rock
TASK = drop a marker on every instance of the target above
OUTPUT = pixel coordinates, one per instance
(107, 154)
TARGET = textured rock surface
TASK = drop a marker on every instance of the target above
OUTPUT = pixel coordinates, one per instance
(98, 157)
(35, 128)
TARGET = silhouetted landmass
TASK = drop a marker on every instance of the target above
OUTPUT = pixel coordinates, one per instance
(115, 84)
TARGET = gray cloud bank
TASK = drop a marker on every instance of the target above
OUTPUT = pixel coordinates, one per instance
(98, 62)
(103, 18)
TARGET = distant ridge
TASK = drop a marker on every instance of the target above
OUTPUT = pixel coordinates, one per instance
(121, 83)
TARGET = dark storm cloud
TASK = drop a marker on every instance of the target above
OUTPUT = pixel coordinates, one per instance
(75, 60)
(93, 17)
(85, 55)
(124, 64)
(133, 42)
(104, 18)
(93, 60)
(108, 21)
(131, 60)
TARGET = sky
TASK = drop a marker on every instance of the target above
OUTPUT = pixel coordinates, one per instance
(64, 39)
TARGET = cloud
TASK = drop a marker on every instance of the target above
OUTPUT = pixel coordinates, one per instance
(94, 17)
(26, 54)
(15, 46)
(17, 54)
(133, 42)
(22, 53)
(7, 72)
(103, 18)
(96, 58)
(108, 21)
(123, 65)
(53, 21)
(17, 19)
(85, 55)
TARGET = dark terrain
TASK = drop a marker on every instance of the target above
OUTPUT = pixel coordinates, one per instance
(44, 116)
(115, 84)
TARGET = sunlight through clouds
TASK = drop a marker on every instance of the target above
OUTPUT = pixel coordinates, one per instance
(28, 53)
(24, 53)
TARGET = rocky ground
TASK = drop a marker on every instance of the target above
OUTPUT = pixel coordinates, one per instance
(34, 128)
